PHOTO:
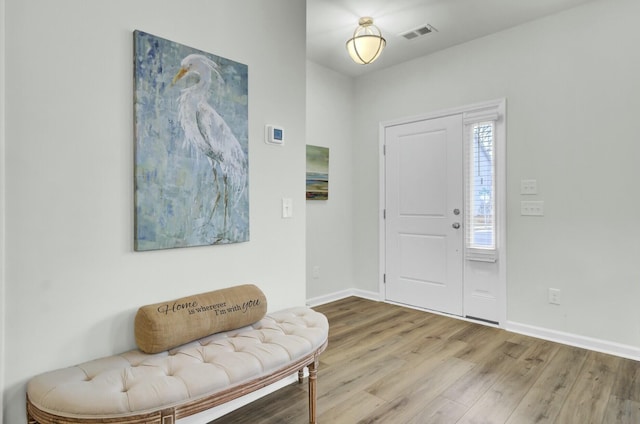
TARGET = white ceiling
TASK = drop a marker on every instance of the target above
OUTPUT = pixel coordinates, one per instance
(331, 22)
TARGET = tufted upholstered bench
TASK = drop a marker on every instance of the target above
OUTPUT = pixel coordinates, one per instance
(165, 386)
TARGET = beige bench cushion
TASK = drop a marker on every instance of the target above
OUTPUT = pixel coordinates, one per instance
(136, 382)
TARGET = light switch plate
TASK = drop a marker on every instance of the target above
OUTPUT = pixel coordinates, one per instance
(287, 207)
(528, 187)
(532, 208)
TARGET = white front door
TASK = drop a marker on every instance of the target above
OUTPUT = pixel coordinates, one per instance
(423, 210)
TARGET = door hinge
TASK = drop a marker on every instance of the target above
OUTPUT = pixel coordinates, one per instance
(384, 278)
(384, 214)
(384, 149)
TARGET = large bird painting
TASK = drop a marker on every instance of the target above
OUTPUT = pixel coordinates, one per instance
(191, 124)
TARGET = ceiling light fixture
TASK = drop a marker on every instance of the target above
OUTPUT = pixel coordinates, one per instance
(367, 42)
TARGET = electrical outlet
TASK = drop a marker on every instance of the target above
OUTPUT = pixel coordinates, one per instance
(528, 187)
(532, 208)
(554, 296)
(315, 272)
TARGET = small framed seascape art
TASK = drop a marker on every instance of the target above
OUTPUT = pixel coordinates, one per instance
(317, 173)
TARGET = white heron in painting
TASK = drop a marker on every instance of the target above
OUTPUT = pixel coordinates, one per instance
(208, 132)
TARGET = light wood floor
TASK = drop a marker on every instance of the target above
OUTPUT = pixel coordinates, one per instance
(393, 365)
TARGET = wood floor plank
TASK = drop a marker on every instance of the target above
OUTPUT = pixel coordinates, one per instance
(624, 403)
(436, 329)
(621, 411)
(377, 327)
(543, 401)
(413, 376)
(627, 386)
(390, 364)
(349, 412)
(504, 396)
(272, 409)
(468, 389)
(409, 402)
(481, 349)
(589, 395)
(335, 386)
(439, 411)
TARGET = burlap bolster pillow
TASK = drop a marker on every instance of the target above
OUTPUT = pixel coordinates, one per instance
(165, 325)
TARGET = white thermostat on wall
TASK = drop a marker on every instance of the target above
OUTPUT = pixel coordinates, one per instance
(274, 135)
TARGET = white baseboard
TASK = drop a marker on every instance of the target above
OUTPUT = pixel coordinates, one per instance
(598, 345)
(332, 297)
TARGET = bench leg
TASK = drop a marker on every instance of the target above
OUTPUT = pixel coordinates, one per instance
(313, 375)
(168, 416)
(30, 419)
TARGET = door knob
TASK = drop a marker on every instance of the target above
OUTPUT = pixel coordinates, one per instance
(456, 211)
(456, 225)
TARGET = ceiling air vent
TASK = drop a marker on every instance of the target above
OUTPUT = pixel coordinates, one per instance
(418, 32)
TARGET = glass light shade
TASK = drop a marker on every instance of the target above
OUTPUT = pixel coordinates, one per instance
(367, 42)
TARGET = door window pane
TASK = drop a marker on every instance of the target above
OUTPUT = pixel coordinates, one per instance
(481, 231)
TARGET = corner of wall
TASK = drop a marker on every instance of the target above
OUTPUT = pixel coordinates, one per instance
(329, 222)
(2, 194)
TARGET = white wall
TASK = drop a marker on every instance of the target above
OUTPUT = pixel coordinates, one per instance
(73, 282)
(2, 195)
(330, 222)
(573, 96)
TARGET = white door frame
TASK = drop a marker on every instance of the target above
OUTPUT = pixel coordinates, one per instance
(501, 190)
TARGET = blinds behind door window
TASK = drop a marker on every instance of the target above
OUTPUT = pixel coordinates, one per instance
(480, 187)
